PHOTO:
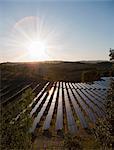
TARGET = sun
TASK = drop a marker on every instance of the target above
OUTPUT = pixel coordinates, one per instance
(37, 49)
(36, 46)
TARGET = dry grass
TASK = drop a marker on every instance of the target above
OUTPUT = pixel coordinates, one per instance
(56, 142)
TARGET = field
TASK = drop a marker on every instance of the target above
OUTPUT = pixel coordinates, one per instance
(17, 77)
(63, 103)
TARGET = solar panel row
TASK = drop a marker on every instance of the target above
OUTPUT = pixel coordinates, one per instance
(84, 99)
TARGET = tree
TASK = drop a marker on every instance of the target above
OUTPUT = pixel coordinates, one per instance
(111, 55)
(88, 76)
(16, 135)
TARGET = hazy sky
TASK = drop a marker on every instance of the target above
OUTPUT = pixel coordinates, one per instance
(74, 30)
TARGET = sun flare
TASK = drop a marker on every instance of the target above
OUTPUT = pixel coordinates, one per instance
(33, 39)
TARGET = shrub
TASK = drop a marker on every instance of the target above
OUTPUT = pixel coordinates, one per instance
(103, 127)
(15, 134)
(88, 76)
(73, 142)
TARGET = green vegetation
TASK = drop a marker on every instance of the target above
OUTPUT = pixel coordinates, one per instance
(90, 76)
(73, 71)
(53, 71)
(15, 134)
(102, 133)
(111, 55)
(103, 128)
(73, 142)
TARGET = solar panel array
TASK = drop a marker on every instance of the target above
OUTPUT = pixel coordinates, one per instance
(69, 106)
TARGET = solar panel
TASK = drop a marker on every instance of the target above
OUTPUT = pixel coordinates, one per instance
(70, 119)
(97, 106)
(81, 86)
(85, 107)
(64, 85)
(101, 100)
(78, 110)
(59, 119)
(101, 96)
(85, 85)
(38, 104)
(40, 114)
(90, 104)
(84, 100)
(50, 112)
(39, 94)
(77, 85)
(102, 93)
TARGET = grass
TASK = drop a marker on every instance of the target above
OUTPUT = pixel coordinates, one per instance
(57, 142)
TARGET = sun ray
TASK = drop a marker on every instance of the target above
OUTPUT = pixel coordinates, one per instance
(34, 37)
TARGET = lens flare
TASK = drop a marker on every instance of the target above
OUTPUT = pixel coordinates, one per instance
(33, 38)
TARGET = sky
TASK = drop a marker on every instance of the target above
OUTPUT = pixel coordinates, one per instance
(65, 30)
